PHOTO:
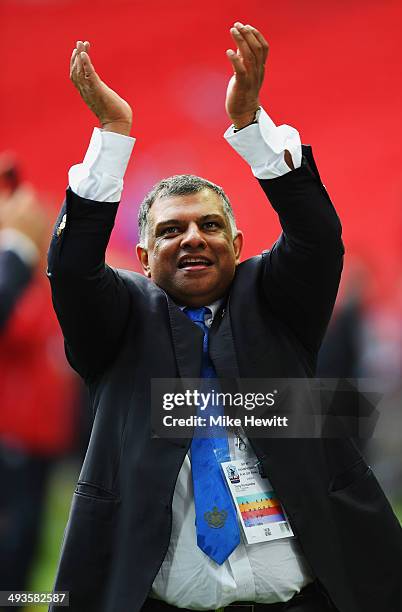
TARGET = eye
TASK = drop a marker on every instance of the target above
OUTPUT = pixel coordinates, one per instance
(170, 229)
(210, 225)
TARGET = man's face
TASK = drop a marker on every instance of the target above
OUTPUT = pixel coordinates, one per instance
(191, 252)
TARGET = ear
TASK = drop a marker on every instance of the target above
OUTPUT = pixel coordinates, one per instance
(142, 255)
(238, 245)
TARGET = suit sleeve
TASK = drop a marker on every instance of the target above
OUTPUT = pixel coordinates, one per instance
(302, 271)
(14, 278)
(91, 301)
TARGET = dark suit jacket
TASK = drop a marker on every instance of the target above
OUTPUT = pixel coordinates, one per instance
(14, 277)
(121, 330)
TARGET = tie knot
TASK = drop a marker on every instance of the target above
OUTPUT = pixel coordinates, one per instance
(197, 314)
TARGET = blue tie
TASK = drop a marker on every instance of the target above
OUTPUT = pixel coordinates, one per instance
(215, 515)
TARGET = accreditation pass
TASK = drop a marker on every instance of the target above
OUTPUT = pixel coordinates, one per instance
(261, 514)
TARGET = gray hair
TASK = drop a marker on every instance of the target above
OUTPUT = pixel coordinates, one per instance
(178, 185)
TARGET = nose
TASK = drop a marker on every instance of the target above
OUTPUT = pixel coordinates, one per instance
(193, 238)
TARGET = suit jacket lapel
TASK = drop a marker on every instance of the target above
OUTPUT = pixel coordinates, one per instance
(221, 346)
(187, 342)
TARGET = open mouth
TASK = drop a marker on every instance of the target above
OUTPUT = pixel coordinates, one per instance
(194, 263)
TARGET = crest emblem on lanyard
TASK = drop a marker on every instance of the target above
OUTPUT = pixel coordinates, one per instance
(217, 518)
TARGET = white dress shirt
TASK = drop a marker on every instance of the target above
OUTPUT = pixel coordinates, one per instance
(267, 572)
(100, 176)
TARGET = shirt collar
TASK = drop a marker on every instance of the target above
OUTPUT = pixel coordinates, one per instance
(214, 307)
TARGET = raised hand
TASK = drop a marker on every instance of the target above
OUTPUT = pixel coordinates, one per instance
(248, 62)
(114, 113)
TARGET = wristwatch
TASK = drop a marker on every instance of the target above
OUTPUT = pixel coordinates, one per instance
(255, 120)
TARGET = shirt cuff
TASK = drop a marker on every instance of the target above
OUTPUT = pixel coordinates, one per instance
(20, 244)
(100, 176)
(263, 145)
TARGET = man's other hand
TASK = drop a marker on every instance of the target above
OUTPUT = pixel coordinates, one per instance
(23, 212)
(242, 96)
(113, 112)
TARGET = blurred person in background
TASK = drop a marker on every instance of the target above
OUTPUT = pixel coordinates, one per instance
(364, 341)
(36, 392)
(341, 353)
(343, 346)
(22, 226)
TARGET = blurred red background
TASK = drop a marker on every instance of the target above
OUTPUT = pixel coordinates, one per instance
(333, 72)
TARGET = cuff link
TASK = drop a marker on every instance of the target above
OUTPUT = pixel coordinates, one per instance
(61, 225)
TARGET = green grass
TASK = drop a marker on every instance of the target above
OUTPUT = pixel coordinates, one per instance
(398, 510)
(60, 492)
